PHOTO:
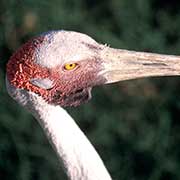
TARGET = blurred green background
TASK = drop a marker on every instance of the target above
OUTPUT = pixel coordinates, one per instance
(134, 125)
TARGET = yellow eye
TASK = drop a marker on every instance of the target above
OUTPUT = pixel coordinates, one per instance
(70, 66)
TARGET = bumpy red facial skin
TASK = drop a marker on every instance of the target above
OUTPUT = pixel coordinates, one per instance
(21, 69)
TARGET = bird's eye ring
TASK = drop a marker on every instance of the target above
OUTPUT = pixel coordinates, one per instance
(70, 66)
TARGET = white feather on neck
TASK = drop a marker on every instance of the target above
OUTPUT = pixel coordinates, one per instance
(78, 156)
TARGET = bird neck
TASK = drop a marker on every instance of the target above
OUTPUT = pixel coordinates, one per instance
(78, 156)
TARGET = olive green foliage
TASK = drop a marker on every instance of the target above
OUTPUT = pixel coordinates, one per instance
(134, 125)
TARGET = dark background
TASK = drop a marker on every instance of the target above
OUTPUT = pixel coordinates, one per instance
(134, 125)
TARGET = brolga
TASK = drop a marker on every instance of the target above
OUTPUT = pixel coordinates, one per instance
(58, 69)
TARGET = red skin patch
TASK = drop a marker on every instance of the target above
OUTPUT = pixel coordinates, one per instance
(21, 69)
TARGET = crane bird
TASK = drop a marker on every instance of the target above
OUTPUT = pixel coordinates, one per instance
(58, 69)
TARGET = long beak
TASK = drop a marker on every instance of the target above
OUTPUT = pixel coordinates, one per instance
(122, 65)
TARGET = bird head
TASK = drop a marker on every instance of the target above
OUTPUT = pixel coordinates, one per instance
(63, 66)
(60, 66)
